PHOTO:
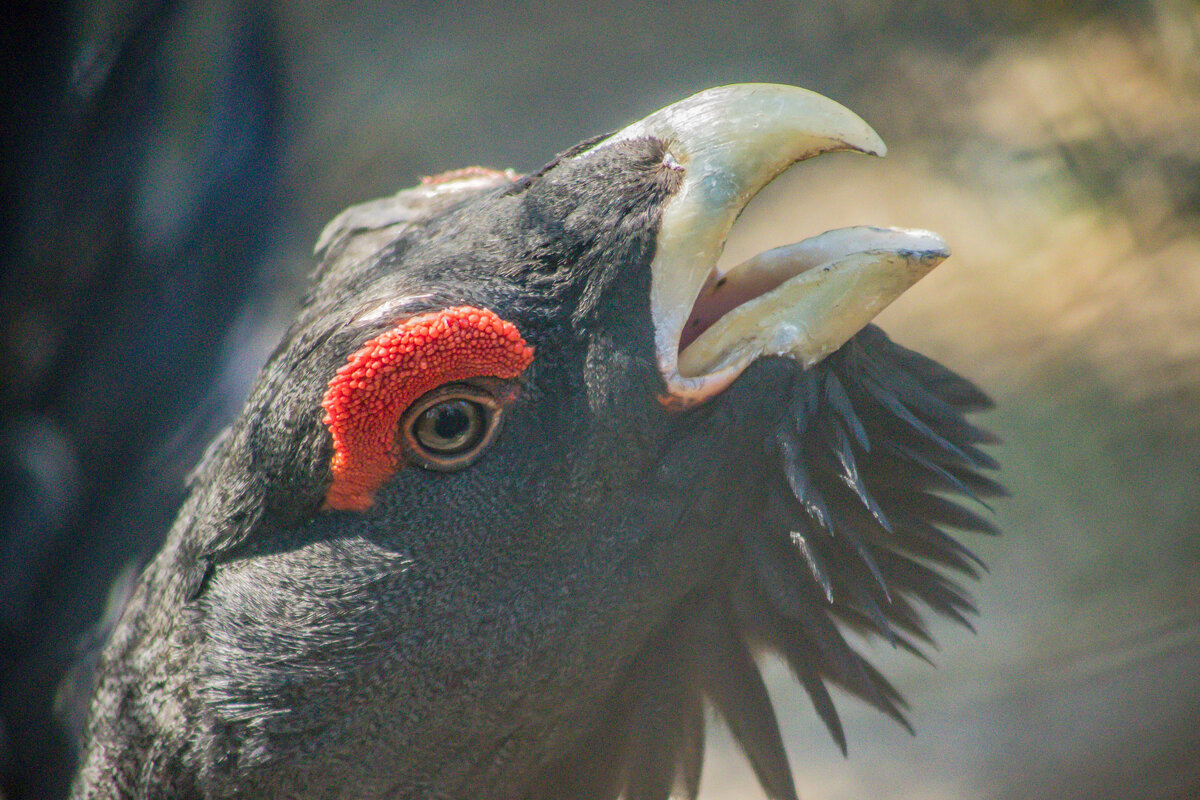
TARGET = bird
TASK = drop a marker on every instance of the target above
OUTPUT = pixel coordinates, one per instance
(529, 484)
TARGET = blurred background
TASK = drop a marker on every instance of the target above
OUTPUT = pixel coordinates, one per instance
(168, 165)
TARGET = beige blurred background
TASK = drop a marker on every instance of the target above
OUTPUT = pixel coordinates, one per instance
(1055, 145)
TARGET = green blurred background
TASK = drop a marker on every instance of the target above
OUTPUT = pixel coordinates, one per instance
(172, 163)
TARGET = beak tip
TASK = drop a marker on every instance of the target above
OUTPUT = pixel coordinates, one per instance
(860, 136)
(926, 247)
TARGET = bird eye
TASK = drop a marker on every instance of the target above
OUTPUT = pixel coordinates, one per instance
(450, 427)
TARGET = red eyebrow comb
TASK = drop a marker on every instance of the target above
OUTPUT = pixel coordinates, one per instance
(370, 393)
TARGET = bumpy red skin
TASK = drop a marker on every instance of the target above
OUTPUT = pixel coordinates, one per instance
(371, 392)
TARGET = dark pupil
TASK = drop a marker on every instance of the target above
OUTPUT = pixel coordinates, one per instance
(450, 427)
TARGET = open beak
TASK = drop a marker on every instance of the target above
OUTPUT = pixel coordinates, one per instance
(802, 301)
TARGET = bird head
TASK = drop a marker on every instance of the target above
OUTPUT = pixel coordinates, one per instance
(529, 482)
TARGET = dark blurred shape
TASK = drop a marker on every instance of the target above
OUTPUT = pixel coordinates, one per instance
(139, 208)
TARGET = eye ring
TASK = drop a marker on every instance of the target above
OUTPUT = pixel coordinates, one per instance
(450, 427)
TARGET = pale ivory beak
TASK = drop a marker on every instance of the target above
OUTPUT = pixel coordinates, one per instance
(802, 301)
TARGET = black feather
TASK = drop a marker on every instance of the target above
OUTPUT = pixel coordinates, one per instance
(839, 401)
(815, 564)
(764, 627)
(666, 739)
(839, 445)
(940, 511)
(921, 470)
(799, 480)
(936, 378)
(915, 426)
(730, 678)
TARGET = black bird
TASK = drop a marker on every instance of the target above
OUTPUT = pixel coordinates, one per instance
(527, 484)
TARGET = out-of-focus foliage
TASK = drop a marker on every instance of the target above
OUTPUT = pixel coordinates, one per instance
(173, 162)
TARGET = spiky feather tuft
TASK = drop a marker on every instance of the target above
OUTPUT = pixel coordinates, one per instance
(874, 459)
